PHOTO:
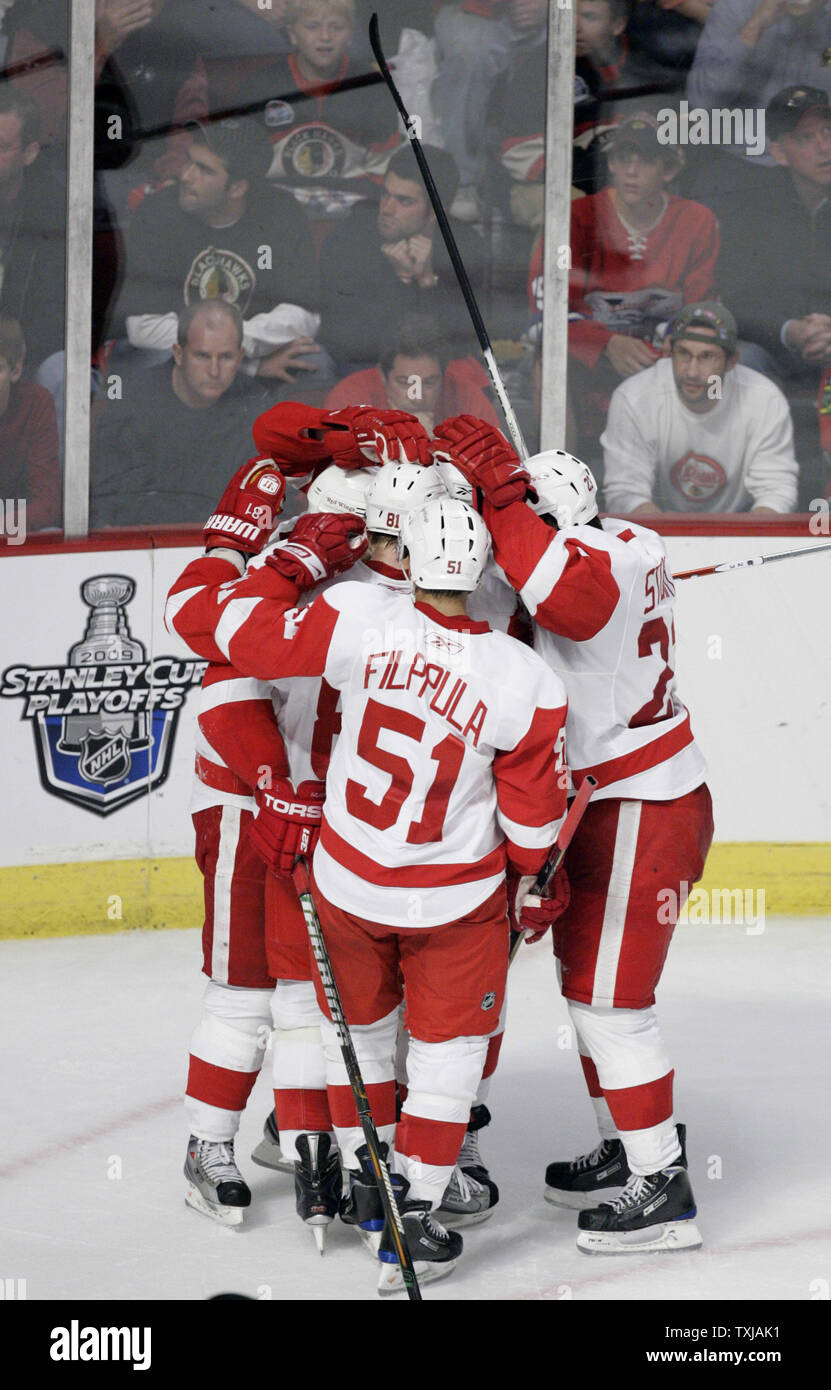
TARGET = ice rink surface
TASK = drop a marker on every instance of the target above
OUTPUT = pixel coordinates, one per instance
(95, 1058)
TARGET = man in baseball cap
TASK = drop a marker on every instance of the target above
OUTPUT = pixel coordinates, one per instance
(784, 112)
(698, 432)
(706, 322)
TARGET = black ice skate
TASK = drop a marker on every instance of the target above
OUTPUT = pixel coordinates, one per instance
(577, 1184)
(470, 1160)
(361, 1205)
(655, 1212)
(318, 1184)
(268, 1153)
(433, 1250)
(215, 1184)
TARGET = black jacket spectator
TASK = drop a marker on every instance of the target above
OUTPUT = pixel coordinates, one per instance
(173, 258)
(775, 265)
(390, 260)
(156, 461)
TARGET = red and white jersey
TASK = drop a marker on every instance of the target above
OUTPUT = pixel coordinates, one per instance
(602, 604)
(450, 756)
(236, 736)
(308, 707)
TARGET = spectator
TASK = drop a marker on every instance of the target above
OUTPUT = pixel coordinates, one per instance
(638, 253)
(609, 75)
(476, 42)
(696, 432)
(748, 51)
(330, 138)
(29, 466)
(606, 66)
(775, 261)
(668, 30)
(223, 233)
(148, 73)
(162, 451)
(414, 374)
(241, 41)
(385, 262)
(32, 232)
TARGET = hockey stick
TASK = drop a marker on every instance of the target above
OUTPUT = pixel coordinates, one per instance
(450, 242)
(353, 1071)
(748, 564)
(558, 849)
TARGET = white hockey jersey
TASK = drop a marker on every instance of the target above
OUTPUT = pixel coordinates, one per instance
(245, 726)
(450, 758)
(602, 604)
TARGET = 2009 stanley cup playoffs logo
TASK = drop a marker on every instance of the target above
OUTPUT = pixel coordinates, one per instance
(104, 722)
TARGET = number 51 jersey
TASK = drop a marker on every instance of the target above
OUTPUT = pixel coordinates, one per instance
(450, 758)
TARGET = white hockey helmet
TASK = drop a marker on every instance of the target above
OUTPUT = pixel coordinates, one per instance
(565, 487)
(448, 545)
(396, 489)
(455, 482)
(341, 490)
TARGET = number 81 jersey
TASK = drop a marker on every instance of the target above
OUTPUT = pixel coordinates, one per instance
(626, 723)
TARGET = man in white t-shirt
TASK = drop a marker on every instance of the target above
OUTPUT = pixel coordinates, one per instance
(697, 432)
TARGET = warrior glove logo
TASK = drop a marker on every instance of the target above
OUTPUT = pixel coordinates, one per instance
(104, 723)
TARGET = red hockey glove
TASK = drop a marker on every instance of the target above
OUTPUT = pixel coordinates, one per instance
(486, 459)
(287, 823)
(375, 436)
(282, 432)
(247, 511)
(534, 915)
(320, 545)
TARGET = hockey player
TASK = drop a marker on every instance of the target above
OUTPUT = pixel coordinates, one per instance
(601, 597)
(228, 1045)
(398, 489)
(238, 736)
(446, 768)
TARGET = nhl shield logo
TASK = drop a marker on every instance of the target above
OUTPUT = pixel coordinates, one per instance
(104, 721)
(105, 759)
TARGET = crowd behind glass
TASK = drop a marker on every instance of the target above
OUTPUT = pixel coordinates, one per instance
(261, 233)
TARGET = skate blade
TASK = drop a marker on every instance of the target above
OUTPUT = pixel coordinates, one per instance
(579, 1201)
(318, 1225)
(225, 1216)
(457, 1219)
(268, 1155)
(427, 1272)
(371, 1242)
(672, 1235)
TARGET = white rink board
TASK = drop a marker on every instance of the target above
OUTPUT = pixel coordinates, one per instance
(759, 709)
(44, 616)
